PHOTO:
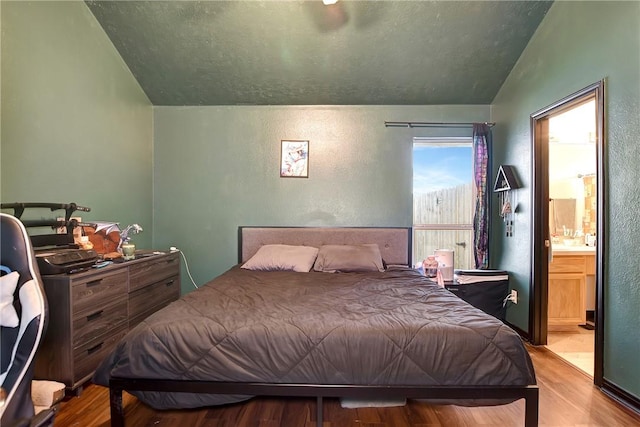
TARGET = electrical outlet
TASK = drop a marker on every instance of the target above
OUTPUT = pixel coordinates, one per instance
(513, 297)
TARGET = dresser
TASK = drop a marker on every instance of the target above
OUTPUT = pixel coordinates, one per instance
(89, 312)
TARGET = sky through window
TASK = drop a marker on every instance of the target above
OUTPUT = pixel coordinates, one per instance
(439, 166)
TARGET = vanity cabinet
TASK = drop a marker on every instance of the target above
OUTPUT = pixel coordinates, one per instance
(89, 312)
(567, 301)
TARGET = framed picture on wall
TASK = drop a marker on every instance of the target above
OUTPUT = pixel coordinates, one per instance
(294, 158)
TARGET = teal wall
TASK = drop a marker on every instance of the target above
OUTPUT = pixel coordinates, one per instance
(76, 126)
(217, 168)
(577, 44)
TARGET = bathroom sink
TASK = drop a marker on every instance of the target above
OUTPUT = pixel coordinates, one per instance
(582, 249)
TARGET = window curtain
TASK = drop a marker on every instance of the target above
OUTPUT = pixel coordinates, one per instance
(481, 169)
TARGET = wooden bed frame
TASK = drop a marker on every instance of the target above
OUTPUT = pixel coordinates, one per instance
(395, 247)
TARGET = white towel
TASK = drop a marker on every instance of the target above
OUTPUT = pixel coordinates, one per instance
(466, 280)
(346, 402)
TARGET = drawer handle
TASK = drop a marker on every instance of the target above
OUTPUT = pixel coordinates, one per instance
(170, 282)
(94, 282)
(94, 348)
(94, 315)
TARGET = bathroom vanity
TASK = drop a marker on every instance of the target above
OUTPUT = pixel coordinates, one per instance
(572, 269)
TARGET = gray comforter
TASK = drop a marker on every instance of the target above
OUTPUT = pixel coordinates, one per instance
(323, 328)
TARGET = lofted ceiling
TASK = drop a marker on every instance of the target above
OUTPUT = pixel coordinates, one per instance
(306, 53)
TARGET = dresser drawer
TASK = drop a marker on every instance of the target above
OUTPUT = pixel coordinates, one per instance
(94, 291)
(90, 324)
(567, 264)
(151, 298)
(90, 354)
(143, 274)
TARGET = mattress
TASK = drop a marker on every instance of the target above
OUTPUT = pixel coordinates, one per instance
(376, 328)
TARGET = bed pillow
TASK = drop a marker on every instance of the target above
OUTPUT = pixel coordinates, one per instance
(346, 258)
(8, 315)
(282, 257)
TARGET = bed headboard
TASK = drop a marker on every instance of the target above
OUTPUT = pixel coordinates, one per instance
(394, 242)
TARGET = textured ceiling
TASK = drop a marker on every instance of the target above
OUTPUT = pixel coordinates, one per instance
(305, 53)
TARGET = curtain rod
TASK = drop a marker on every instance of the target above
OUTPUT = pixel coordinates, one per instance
(431, 125)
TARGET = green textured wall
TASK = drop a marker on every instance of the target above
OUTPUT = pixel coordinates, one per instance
(217, 168)
(579, 43)
(76, 126)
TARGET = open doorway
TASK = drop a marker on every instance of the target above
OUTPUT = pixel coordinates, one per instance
(567, 250)
(572, 227)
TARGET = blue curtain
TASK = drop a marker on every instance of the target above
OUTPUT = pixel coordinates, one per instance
(481, 150)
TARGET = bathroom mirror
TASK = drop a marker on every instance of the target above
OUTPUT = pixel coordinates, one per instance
(562, 217)
(572, 168)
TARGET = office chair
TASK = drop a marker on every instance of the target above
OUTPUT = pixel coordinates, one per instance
(23, 317)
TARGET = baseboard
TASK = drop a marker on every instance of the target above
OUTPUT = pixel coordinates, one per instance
(628, 400)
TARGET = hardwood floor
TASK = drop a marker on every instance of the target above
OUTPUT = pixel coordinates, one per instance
(567, 398)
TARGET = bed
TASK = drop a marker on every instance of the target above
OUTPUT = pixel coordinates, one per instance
(365, 326)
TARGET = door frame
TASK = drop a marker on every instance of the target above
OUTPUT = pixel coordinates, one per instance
(540, 247)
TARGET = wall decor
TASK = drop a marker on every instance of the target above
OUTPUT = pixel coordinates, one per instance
(294, 159)
(506, 182)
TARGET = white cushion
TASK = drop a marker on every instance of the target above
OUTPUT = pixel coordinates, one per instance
(8, 315)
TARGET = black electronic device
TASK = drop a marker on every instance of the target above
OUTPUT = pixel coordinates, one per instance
(56, 253)
(59, 261)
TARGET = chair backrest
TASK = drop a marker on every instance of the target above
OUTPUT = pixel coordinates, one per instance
(18, 344)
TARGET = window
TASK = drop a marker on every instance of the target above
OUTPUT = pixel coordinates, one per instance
(443, 198)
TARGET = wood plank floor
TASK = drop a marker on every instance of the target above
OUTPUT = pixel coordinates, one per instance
(567, 398)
